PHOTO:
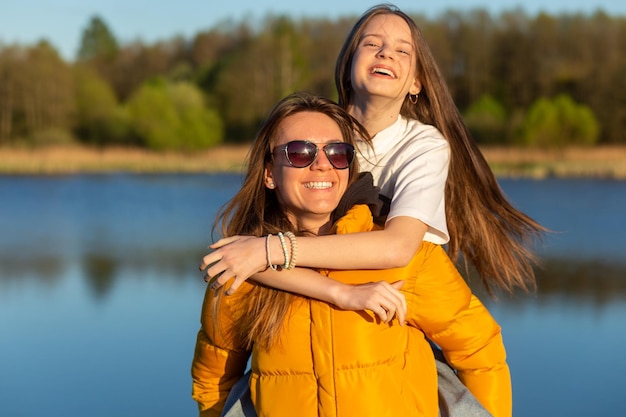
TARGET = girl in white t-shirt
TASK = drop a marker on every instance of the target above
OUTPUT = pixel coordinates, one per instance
(440, 187)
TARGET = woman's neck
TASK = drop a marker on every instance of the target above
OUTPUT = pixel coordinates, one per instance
(313, 226)
(375, 115)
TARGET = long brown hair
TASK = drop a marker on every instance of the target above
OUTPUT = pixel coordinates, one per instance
(256, 211)
(483, 225)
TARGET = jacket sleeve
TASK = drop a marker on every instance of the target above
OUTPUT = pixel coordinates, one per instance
(218, 362)
(443, 306)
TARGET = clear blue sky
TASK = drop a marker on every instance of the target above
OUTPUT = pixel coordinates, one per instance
(61, 22)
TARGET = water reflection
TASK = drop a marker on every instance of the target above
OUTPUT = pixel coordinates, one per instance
(571, 281)
(100, 272)
(561, 281)
(46, 272)
(575, 281)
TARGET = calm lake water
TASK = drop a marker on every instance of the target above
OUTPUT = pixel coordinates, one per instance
(100, 295)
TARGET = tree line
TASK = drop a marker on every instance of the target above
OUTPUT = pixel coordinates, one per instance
(543, 80)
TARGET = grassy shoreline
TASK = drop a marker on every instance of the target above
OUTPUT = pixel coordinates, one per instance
(78, 159)
(597, 162)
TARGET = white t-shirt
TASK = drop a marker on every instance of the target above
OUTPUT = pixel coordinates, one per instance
(409, 162)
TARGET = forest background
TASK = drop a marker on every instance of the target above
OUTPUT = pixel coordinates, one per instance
(535, 91)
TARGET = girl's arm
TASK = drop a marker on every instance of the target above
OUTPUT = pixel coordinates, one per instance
(382, 298)
(240, 257)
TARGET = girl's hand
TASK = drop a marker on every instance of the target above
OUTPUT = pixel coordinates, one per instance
(237, 257)
(382, 298)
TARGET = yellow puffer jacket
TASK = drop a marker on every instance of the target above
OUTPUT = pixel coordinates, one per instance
(345, 363)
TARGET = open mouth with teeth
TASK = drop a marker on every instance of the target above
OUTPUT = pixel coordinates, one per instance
(320, 185)
(383, 71)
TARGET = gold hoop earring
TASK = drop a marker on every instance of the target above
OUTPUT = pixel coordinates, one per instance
(413, 98)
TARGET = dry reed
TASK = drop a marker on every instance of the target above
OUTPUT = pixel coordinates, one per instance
(68, 160)
(602, 162)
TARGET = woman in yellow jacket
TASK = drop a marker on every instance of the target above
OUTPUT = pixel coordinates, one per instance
(308, 357)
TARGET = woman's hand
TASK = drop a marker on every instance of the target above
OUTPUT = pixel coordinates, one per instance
(237, 257)
(382, 298)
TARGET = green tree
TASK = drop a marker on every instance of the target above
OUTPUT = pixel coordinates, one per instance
(100, 119)
(486, 119)
(322, 40)
(97, 41)
(41, 98)
(137, 63)
(614, 122)
(9, 74)
(560, 122)
(200, 127)
(259, 73)
(469, 43)
(515, 62)
(173, 116)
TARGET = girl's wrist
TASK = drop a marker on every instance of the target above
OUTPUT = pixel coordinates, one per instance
(281, 250)
(278, 257)
(336, 293)
(274, 251)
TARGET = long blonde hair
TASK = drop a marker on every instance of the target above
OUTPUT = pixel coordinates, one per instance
(483, 225)
(256, 211)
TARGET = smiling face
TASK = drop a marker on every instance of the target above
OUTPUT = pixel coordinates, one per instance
(308, 195)
(383, 64)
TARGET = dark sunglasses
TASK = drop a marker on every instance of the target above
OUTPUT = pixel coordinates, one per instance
(302, 153)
